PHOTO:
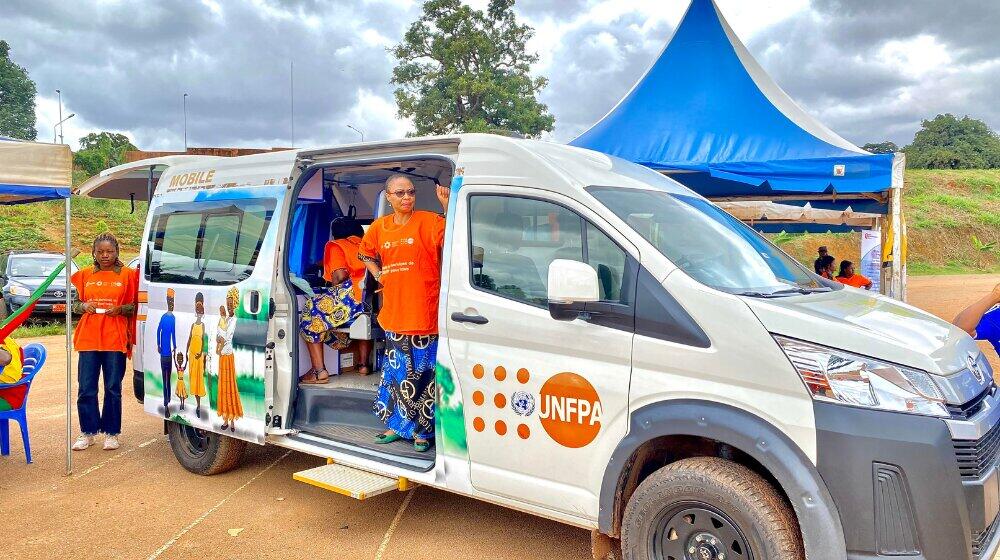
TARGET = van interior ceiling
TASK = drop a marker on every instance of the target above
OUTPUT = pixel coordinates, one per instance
(341, 410)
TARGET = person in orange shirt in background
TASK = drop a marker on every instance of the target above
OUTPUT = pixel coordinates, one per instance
(338, 303)
(108, 295)
(403, 253)
(847, 276)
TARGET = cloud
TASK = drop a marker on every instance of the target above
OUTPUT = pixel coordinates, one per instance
(869, 70)
(126, 65)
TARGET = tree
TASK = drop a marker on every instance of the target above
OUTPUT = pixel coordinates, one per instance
(886, 147)
(947, 142)
(99, 151)
(17, 98)
(466, 70)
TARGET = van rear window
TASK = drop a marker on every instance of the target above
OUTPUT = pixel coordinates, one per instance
(209, 243)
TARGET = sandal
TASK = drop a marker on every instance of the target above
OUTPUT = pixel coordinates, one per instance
(388, 438)
(421, 446)
(363, 370)
(315, 377)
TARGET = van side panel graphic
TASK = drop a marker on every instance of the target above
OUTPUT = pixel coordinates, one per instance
(221, 327)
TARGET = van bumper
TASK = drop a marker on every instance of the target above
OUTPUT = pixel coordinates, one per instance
(912, 486)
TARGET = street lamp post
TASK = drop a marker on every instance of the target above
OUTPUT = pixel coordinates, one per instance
(59, 94)
(185, 122)
(58, 126)
(358, 131)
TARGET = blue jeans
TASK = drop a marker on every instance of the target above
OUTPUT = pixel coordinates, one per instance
(93, 419)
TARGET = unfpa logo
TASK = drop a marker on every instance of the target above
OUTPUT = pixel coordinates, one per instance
(569, 408)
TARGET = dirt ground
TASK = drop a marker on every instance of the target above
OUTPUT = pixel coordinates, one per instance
(137, 502)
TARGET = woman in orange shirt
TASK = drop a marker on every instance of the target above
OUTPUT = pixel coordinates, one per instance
(847, 276)
(339, 303)
(107, 296)
(403, 253)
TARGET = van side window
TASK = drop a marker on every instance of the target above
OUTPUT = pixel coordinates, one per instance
(514, 240)
(209, 243)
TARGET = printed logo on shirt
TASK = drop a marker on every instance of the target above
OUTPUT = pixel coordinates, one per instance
(398, 242)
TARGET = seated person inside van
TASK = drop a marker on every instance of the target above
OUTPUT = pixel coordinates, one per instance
(337, 304)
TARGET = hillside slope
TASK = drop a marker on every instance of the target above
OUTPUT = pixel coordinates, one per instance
(944, 210)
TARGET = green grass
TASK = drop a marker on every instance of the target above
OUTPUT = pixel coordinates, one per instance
(34, 330)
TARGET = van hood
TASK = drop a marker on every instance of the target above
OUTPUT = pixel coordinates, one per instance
(870, 325)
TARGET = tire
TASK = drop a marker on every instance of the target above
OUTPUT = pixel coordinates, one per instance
(711, 506)
(202, 452)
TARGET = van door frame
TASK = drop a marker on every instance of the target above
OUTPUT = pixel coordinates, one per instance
(285, 410)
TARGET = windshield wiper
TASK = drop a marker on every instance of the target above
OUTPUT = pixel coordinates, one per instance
(784, 293)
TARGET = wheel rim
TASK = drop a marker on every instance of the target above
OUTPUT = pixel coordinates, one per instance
(196, 442)
(697, 531)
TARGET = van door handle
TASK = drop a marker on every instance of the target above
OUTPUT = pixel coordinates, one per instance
(459, 317)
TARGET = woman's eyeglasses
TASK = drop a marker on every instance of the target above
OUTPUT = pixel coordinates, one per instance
(402, 193)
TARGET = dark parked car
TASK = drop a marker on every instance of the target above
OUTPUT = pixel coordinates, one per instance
(23, 271)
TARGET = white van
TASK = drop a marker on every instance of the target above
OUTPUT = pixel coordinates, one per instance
(688, 392)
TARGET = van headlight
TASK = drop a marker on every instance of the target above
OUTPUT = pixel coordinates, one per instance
(19, 290)
(841, 377)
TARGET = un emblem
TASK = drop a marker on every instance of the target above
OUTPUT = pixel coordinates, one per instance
(523, 403)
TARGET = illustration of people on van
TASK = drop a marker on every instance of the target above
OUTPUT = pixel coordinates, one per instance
(180, 390)
(166, 345)
(338, 303)
(229, 406)
(197, 352)
(403, 253)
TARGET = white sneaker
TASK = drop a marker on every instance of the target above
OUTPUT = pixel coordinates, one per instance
(83, 442)
(111, 443)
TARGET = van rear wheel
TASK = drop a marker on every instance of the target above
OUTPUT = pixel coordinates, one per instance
(707, 508)
(203, 452)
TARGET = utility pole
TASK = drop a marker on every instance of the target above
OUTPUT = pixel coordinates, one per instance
(291, 84)
(358, 131)
(59, 94)
(185, 101)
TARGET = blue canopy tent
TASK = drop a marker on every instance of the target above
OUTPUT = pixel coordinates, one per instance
(708, 115)
(34, 172)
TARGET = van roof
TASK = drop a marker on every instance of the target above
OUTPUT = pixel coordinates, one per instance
(481, 159)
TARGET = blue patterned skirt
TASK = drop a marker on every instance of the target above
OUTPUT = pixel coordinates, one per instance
(332, 307)
(406, 394)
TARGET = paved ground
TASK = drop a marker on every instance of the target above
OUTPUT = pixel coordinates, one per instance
(139, 503)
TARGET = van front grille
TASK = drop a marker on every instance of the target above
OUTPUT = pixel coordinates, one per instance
(982, 539)
(977, 456)
(971, 408)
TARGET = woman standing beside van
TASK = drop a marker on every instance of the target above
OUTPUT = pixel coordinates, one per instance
(403, 253)
(107, 296)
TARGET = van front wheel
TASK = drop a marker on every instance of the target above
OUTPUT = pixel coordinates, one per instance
(203, 452)
(707, 508)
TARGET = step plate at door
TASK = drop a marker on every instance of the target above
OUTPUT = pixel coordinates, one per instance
(348, 481)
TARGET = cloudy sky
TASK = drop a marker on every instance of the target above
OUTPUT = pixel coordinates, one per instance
(869, 70)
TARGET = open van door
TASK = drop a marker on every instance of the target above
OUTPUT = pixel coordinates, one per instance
(136, 180)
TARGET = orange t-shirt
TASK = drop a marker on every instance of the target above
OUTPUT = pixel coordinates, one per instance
(410, 255)
(104, 288)
(343, 253)
(857, 280)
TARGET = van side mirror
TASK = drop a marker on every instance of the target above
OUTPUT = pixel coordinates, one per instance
(572, 284)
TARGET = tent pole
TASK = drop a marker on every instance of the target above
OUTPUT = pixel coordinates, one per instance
(68, 271)
(896, 219)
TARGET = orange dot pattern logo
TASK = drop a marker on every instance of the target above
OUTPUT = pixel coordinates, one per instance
(569, 407)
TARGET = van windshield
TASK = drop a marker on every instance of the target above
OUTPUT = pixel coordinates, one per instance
(707, 243)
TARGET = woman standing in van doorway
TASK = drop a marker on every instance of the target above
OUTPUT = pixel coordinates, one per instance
(403, 252)
(107, 297)
(197, 351)
(230, 407)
